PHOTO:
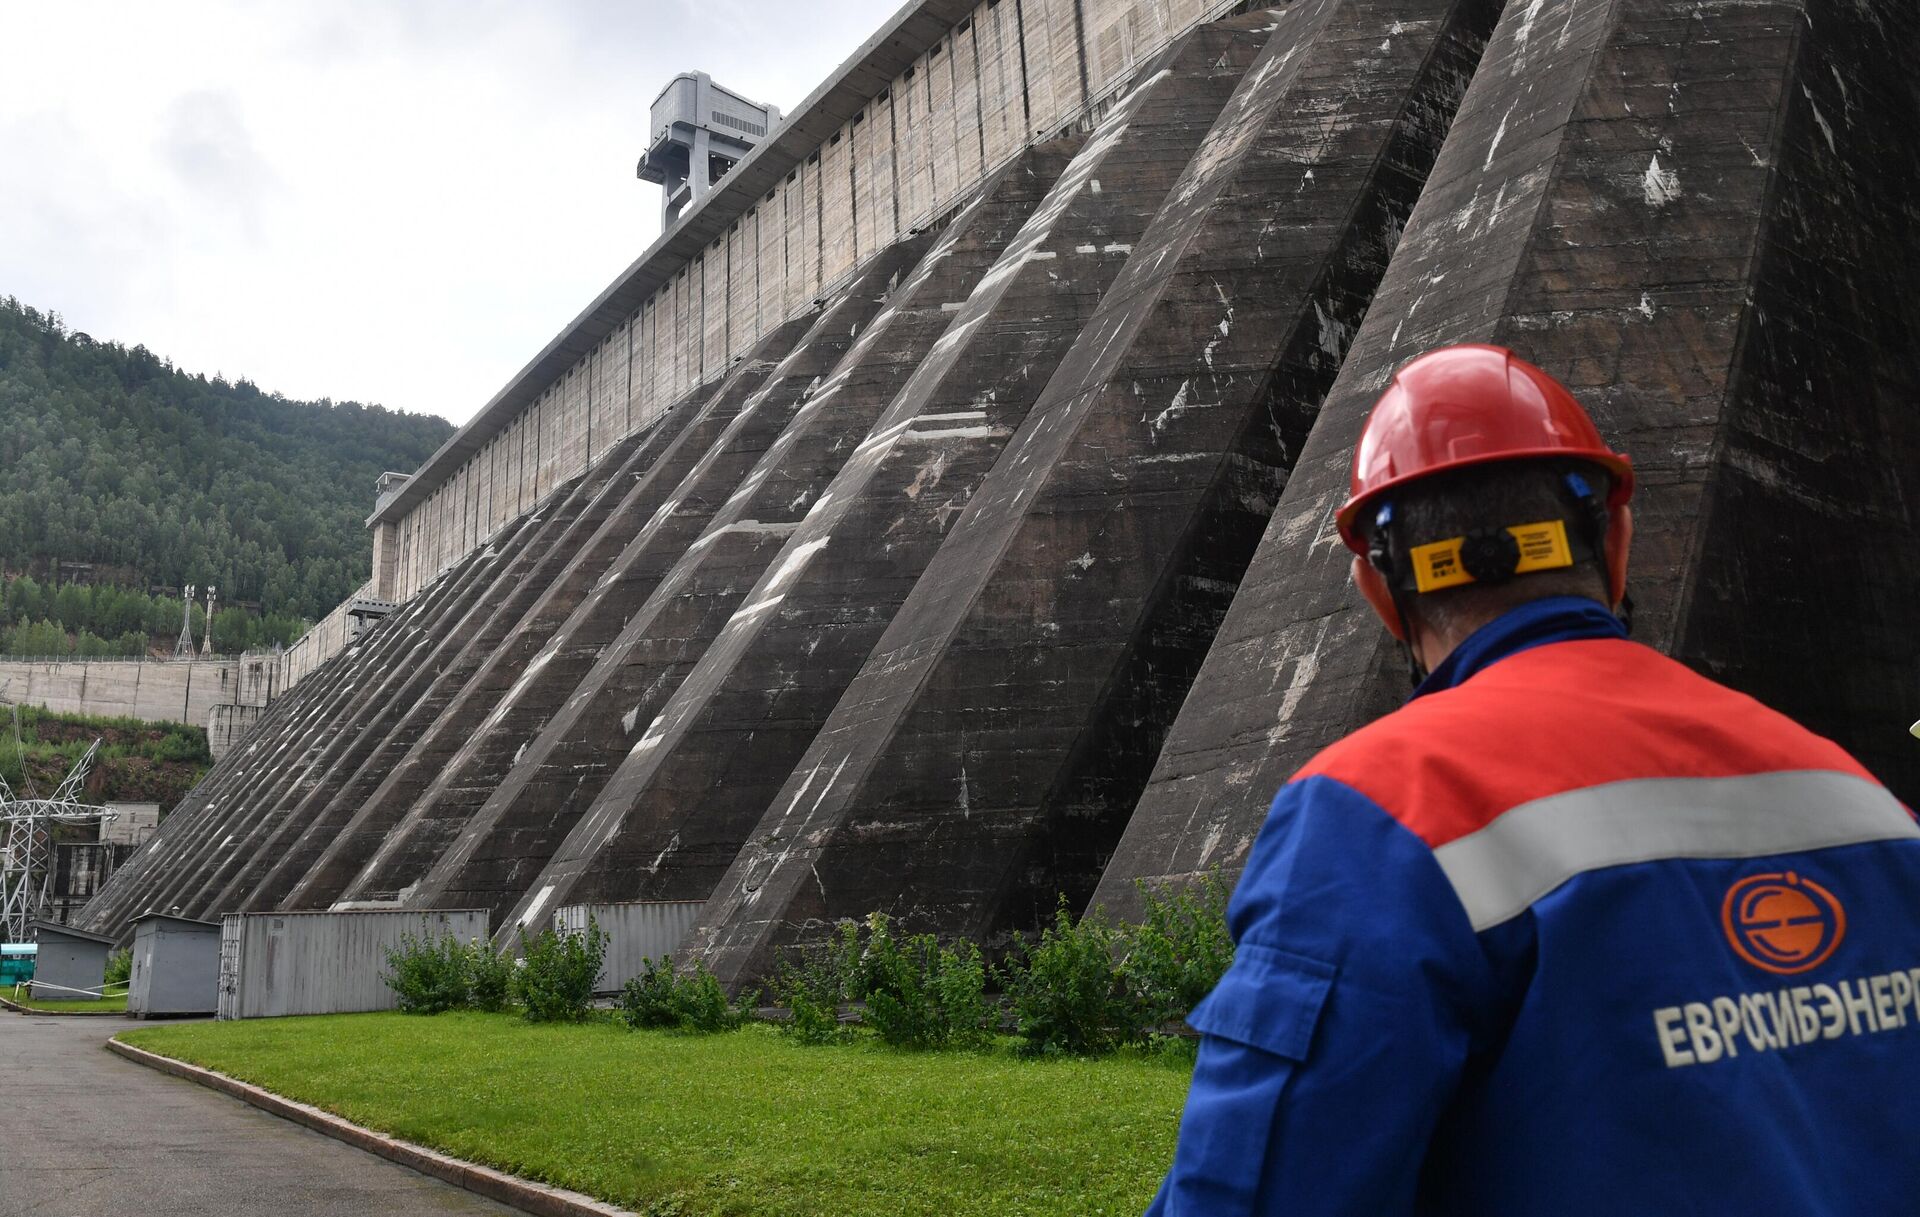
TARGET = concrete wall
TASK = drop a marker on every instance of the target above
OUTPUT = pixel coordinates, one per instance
(228, 725)
(184, 691)
(226, 695)
(327, 638)
(1004, 74)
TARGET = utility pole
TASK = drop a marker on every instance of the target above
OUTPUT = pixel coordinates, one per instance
(206, 639)
(183, 649)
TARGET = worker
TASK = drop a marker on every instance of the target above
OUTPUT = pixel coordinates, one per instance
(1576, 931)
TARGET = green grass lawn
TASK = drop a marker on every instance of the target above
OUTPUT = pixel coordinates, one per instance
(100, 1005)
(746, 1123)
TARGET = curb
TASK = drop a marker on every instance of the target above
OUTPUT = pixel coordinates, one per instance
(17, 1008)
(539, 1199)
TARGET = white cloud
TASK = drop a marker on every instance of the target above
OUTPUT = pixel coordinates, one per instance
(396, 203)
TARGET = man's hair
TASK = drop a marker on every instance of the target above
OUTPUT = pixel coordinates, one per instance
(1497, 495)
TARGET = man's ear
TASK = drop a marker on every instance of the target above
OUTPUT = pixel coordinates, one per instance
(1373, 585)
(1619, 544)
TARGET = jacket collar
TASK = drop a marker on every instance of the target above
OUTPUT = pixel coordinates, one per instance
(1535, 623)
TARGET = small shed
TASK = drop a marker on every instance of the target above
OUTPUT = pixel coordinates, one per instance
(71, 964)
(176, 966)
(274, 964)
(636, 930)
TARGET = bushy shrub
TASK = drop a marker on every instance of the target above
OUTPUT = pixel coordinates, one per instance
(489, 977)
(183, 745)
(812, 984)
(1178, 953)
(119, 967)
(429, 974)
(689, 1001)
(650, 999)
(813, 1021)
(920, 994)
(1067, 991)
(554, 983)
(703, 1004)
(1086, 986)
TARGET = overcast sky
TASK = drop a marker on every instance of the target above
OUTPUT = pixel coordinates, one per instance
(394, 201)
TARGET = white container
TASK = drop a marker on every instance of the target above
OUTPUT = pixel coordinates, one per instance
(274, 964)
(636, 930)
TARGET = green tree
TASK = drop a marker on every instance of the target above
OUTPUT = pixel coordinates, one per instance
(111, 455)
(71, 607)
(231, 631)
(37, 638)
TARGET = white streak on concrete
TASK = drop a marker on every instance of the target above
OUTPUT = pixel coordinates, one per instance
(1177, 405)
(981, 432)
(536, 904)
(652, 738)
(1821, 119)
(796, 562)
(1334, 332)
(1660, 185)
(1525, 30)
(771, 528)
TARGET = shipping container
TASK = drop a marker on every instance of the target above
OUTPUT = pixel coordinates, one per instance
(274, 964)
(71, 964)
(176, 966)
(636, 930)
(16, 963)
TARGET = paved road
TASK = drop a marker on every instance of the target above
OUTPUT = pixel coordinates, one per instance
(84, 1132)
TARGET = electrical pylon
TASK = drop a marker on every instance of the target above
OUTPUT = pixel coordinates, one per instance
(26, 839)
(183, 649)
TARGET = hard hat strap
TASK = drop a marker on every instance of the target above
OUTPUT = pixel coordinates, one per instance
(1380, 554)
(1594, 510)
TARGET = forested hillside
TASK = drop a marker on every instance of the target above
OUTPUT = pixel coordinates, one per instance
(139, 762)
(111, 456)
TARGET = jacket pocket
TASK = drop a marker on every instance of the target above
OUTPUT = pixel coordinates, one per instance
(1269, 999)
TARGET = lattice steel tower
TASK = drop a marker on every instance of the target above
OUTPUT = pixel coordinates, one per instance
(26, 839)
(183, 649)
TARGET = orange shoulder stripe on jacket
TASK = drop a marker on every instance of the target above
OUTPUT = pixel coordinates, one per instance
(1556, 718)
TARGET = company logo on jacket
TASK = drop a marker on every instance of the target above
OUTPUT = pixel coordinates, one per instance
(1786, 924)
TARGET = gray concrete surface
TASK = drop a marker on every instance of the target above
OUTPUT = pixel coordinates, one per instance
(85, 1132)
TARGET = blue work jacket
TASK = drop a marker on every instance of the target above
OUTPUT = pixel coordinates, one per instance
(1575, 933)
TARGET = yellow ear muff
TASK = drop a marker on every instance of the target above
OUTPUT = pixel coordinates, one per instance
(1543, 546)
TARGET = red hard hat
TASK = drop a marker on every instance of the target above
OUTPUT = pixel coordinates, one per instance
(1468, 405)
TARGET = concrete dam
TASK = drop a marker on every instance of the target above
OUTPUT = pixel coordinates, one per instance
(938, 518)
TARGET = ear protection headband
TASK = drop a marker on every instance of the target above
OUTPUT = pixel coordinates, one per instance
(1493, 556)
